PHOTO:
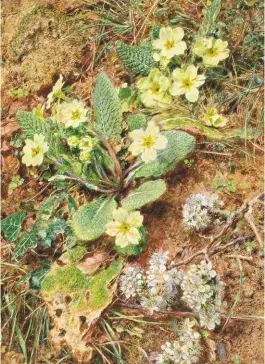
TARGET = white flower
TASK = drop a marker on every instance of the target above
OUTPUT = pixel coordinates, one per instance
(125, 227)
(147, 142)
(34, 150)
(184, 351)
(203, 291)
(131, 281)
(56, 92)
(198, 211)
(170, 42)
(71, 114)
(187, 82)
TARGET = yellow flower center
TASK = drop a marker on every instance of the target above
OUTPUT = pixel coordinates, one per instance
(169, 44)
(35, 151)
(148, 142)
(155, 88)
(213, 52)
(76, 115)
(124, 227)
(187, 83)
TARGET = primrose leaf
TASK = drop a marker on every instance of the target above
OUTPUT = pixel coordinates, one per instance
(11, 225)
(179, 145)
(213, 133)
(31, 125)
(135, 58)
(136, 121)
(209, 20)
(108, 114)
(146, 193)
(89, 221)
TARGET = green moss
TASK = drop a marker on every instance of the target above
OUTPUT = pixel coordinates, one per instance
(74, 254)
(98, 285)
(65, 279)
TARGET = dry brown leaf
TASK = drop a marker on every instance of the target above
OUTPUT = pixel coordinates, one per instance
(10, 165)
(89, 264)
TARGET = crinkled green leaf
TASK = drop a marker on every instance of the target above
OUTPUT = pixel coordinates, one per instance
(179, 145)
(89, 221)
(11, 225)
(32, 125)
(209, 21)
(146, 193)
(135, 58)
(136, 121)
(108, 114)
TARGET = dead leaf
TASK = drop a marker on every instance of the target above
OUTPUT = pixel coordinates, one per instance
(10, 165)
(75, 302)
(89, 264)
(10, 128)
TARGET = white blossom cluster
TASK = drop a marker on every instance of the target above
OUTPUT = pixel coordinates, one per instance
(202, 292)
(156, 288)
(185, 350)
(131, 281)
(199, 211)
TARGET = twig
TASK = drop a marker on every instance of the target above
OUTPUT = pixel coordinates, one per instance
(241, 257)
(135, 165)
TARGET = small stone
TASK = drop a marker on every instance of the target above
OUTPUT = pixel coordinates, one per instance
(221, 351)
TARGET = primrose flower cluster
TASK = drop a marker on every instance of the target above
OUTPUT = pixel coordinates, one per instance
(199, 211)
(202, 292)
(158, 88)
(70, 114)
(156, 288)
(184, 350)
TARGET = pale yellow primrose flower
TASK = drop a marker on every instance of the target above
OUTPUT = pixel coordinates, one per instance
(73, 141)
(34, 150)
(211, 50)
(153, 89)
(86, 143)
(71, 114)
(56, 92)
(212, 118)
(170, 42)
(162, 60)
(187, 82)
(147, 142)
(84, 155)
(125, 227)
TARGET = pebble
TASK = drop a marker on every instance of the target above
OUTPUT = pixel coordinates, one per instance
(221, 351)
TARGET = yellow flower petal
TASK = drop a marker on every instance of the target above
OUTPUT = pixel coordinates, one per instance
(135, 219)
(120, 214)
